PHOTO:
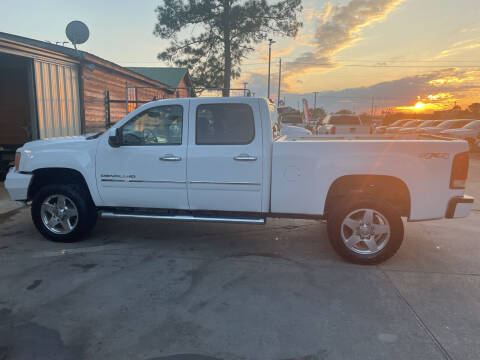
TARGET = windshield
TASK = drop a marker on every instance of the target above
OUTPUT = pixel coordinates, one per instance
(415, 124)
(95, 136)
(427, 124)
(431, 123)
(446, 124)
(460, 124)
(473, 125)
(399, 123)
(344, 120)
(409, 123)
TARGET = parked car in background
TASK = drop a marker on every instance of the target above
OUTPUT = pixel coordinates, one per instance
(343, 124)
(291, 119)
(425, 124)
(469, 132)
(446, 125)
(291, 126)
(410, 126)
(383, 128)
(294, 132)
(396, 129)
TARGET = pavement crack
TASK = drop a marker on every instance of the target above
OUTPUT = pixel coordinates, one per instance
(446, 355)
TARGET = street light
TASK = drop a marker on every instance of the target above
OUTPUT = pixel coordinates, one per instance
(270, 42)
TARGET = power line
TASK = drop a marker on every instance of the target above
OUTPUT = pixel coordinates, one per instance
(379, 66)
(376, 62)
(393, 60)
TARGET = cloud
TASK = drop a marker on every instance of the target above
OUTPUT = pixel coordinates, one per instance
(312, 13)
(338, 27)
(436, 89)
(262, 51)
(460, 46)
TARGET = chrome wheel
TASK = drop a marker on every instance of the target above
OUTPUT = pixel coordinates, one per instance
(59, 214)
(365, 231)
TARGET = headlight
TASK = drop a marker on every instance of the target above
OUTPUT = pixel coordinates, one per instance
(18, 155)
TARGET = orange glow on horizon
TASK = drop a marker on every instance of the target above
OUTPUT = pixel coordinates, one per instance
(421, 106)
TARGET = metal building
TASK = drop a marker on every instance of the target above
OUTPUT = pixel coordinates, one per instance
(48, 90)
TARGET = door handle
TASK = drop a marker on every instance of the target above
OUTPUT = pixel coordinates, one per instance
(245, 157)
(170, 157)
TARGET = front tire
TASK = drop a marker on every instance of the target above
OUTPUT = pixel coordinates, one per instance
(63, 213)
(365, 231)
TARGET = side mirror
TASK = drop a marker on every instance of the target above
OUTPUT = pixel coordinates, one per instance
(115, 140)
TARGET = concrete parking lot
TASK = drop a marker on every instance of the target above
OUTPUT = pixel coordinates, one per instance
(159, 290)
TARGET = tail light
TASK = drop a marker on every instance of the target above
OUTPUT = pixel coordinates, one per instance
(333, 130)
(459, 175)
(17, 160)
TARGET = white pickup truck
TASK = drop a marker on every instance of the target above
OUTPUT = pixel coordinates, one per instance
(222, 159)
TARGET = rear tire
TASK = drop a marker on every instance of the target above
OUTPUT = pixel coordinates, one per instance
(365, 231)
(63, 213)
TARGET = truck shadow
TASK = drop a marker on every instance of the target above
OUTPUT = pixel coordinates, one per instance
(280, 237)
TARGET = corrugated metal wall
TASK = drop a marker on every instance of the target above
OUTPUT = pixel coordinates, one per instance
(58, 101)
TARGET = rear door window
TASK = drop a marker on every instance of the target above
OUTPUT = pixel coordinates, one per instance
(224, 124)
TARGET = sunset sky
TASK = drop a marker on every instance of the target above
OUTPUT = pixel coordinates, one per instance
(418, 55)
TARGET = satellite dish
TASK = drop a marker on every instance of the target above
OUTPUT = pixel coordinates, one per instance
(77, 32)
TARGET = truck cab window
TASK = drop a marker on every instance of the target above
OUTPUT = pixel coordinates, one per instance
(224, 124)
(156, 126)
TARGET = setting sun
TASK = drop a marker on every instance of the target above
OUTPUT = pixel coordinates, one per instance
(419, 106)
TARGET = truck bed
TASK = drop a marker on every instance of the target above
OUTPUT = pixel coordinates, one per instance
(304, 170)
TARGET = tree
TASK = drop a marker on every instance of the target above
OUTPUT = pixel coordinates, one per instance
(366, 118)
(223, 32)
(318, 113)
(474, 108)
(345, 112)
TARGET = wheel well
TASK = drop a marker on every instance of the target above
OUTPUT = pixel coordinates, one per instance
(49, 176)
(390, 188)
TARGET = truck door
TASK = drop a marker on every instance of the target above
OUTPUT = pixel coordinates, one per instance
(148, 169)
(224, 168)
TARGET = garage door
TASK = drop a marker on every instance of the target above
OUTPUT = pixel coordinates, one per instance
(58, 103)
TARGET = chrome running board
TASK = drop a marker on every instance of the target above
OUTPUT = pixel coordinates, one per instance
(114, 215)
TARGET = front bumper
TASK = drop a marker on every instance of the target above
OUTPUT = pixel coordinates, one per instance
(459, 207)
(17, 185)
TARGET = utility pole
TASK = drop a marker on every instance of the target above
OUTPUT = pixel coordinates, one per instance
(270, 42)
(279, 81)
(245, 88)
(315, 102)
(371, 116)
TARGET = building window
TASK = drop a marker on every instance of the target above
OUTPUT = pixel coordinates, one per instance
(132, 99)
